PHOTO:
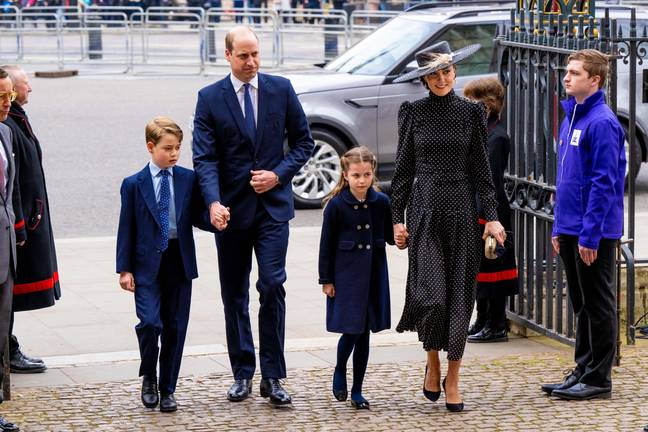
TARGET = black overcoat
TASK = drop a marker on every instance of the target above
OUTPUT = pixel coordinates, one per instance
(37, 282)
(352, 256)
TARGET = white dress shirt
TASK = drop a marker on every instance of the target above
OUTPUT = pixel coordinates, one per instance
(240, 93)
(5, 166)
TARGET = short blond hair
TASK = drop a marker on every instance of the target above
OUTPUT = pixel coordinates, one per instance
(160, 126)
(594, 63)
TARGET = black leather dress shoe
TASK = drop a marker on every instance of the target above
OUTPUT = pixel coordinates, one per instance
(6, 425)
(150, 397)
(580, 391)
(240, 390)
(645, 428)
(21, 363)
(475, 328)
(168, 403)
(571, 378)
(271, 388)
(487, 334)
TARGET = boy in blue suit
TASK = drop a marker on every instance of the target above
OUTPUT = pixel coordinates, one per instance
(156, 257)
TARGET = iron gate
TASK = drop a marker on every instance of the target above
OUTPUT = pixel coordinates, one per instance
(534, 51)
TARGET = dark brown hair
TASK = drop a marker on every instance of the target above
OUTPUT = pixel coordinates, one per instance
(3, 74)
(594, 62)
(489, 91)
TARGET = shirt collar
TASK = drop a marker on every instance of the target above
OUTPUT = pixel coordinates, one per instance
(237, 83)
(155, 170)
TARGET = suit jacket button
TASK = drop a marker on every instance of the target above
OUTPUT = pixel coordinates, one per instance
(359, 246)
(355, 207)
(368, 246)
(366, 206)
(367, 226)
(359, 227)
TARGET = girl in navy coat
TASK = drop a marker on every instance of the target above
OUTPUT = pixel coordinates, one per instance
(353, 267)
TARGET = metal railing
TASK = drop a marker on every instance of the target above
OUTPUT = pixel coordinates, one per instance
(133, 38)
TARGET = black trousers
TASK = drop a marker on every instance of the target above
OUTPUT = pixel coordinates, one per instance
(491, 312)
(593, 298)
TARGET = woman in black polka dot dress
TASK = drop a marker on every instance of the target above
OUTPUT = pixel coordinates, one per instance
(441, 164)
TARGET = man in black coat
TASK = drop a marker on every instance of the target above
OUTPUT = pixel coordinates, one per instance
(36, 285)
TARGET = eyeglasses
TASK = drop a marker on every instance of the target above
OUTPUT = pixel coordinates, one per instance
(10, 96)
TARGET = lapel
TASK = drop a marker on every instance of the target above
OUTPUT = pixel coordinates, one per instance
(10, 163)
(262, 107)
(235, 109)
(145, 186)
(180, 186)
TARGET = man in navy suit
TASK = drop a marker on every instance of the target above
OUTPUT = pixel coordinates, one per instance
(245, 176)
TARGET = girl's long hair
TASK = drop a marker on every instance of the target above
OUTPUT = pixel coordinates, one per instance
(358, 154)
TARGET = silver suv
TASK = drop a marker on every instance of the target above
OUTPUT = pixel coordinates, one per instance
(353, 100)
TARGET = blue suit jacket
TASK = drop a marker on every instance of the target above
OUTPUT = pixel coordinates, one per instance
(224, 153)
(139, 236)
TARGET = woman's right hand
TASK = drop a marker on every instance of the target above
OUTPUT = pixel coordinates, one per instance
(400, 235)
(329, 289)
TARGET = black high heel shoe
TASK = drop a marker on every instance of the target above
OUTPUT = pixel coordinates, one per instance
(431, 395)
(452, 407)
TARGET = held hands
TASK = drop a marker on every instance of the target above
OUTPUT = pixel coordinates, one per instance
(328, 289)
(219, 215)
(495, 229)
(127, 281)
(400, 235)
(262, 181)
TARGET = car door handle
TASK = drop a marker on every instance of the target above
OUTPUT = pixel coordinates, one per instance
(363, 103)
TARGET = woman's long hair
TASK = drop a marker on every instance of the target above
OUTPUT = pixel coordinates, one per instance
(358, 154)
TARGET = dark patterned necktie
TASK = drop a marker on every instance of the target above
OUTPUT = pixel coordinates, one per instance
(163, 208)
(249, 113)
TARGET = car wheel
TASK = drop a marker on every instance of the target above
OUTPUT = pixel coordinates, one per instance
(321, 172)
(637, 159)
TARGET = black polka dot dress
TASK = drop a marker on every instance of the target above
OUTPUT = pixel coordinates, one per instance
(441, 165)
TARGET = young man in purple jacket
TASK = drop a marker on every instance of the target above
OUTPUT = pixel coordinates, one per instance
(588, 221)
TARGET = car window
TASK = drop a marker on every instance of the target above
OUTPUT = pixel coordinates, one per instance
(461, 35)
(379, 52)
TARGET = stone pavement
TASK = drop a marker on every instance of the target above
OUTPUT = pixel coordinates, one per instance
(501, 394)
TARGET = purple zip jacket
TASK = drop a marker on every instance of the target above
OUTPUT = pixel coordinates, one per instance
(591, 171)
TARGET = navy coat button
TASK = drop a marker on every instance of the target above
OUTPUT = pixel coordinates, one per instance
(355, 207)
(368, 246)
(367, 226)
(366, 206)
(158, 250)
(359, 246)
(359, 227)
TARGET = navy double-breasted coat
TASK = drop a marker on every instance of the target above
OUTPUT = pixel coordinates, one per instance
(352, 257)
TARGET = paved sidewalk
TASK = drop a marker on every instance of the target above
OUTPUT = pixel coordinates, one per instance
(501, 394)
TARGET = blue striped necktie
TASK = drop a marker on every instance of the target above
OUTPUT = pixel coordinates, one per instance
(163, 208)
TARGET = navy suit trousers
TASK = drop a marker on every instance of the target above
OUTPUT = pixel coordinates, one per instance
(163, 311)
(269, 241)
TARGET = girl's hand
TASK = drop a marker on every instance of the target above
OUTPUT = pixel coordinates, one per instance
(495, 229)
(400, 236)
(329, 290)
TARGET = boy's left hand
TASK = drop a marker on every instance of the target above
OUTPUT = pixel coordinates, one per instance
(262, 181)
(329, 289)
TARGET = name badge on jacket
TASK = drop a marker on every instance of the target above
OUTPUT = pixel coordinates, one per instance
(575, 138)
